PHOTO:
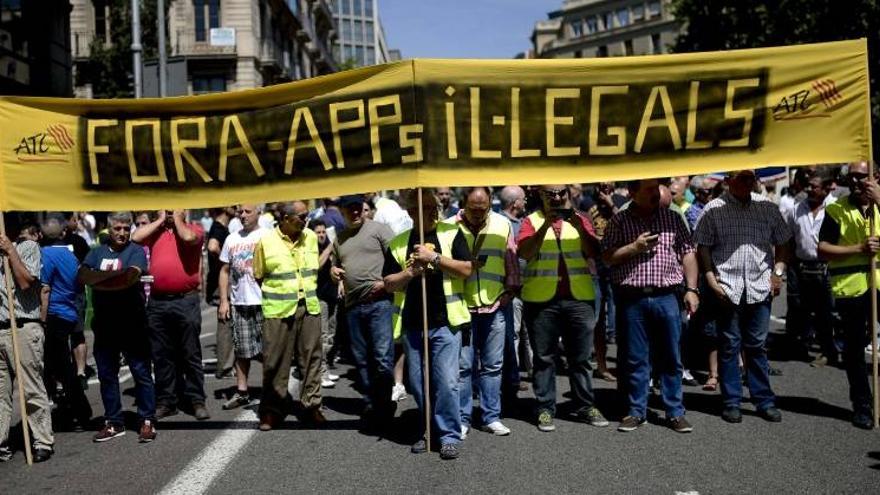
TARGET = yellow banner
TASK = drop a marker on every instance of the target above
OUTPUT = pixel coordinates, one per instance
(428, 123)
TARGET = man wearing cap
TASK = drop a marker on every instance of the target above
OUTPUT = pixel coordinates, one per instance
(742, 243)
(359, 257)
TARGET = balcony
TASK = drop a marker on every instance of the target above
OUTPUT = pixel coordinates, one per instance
(185, 44)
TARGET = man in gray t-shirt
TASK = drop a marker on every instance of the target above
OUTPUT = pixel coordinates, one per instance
(359, 258)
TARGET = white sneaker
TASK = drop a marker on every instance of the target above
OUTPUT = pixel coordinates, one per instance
(327, 382)
(398, 393)
(464, 432)
(868, 349)
(686, 374)
(496, 428)
(332, 377)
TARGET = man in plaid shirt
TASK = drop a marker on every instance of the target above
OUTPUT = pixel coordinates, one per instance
(743, 248)
(650, 253)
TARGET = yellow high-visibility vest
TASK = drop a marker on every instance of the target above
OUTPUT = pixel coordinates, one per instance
(849, 275)
(486, 284)
(289, 275)
(541, 277)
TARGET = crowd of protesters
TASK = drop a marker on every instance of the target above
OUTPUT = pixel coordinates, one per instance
(520, 284)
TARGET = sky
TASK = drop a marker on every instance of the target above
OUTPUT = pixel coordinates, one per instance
(462, 28)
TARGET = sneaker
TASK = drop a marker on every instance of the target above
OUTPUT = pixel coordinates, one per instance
(771, 414)
(148, 432)
(109, 432)
(327, 383)
(419, 447)
(819, 362)
(464, 431)
(732, 415)
(680, 425)
(545, 422)
(163, 411)
(630, 423)
(688, 379)
(332, 377)
(862, 419)
(239, 399)
(449, 451)
(5, 454)
(496, 428)
(398, 393)
(591, 416)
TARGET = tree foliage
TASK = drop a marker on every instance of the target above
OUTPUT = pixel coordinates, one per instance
(110, 65)
(733, 24)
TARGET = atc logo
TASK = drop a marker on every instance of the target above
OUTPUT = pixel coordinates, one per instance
(50, 146)
(804, 103)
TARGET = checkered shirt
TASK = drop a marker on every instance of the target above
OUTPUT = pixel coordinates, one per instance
(742, 238)
(658, 267)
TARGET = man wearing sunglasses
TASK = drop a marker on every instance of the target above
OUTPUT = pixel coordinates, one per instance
(743, 250)
(559, 300)
(845, 240)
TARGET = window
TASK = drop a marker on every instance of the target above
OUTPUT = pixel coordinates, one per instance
(638, 12)
(346, 7)
(371, 55)
(609, 20)
(206, 10)
(628, 47)
(656, 47)
(357, 7)
(602, 51)
(368, 8)
(346, 30)
(346, 53)
(359, 55)
(623, 17)
(653, 9)
(591, 24)
(358, 31)
(577, 29)
(208, 84)
(100, 19)
(368, 31)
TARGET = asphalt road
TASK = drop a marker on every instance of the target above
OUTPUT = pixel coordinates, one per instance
(814, 450)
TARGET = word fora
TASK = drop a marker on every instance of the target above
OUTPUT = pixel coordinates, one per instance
(187, 140)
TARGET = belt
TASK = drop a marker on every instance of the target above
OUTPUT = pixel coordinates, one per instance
(170, 296)
(813, 267)
(6, 325)
(629, 291)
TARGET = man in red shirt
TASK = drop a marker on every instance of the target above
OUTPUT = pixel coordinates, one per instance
(173, 313)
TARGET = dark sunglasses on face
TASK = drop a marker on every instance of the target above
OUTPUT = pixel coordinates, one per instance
(550, 194)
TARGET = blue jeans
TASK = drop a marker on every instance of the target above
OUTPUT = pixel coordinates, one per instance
(445, 348)
(488, 332)
(510, 370)
(372, 345)
(605, 306)
(547, 322)
(744, 326)
(135, 346)
(651, 326)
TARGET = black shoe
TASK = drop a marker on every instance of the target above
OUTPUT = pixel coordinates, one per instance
(775, 371)
(83, 381)
(771, 414)
(862, 419)
(732, 415)
(449, 451)
(419, 447)
(42, 455)
(163, 411)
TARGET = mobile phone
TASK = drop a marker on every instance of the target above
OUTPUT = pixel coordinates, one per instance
(482, 258)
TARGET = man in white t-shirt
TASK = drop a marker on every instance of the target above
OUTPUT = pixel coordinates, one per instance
(241, 298)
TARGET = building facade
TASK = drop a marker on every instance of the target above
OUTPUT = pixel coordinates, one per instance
(361, 38)
(35, 48)
(228, 45)
(606, 28)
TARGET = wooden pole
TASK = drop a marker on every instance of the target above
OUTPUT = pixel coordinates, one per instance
(873, 326)
(426, 348)
(13, 328)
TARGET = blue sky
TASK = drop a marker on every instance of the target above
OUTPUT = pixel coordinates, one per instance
(462, 28)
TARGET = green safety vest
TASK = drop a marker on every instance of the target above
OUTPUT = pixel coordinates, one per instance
(289, 275)
(541, 277)
(486, 284)
(456, 309)
(849, 275)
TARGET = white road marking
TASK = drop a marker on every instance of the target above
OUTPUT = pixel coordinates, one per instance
(199, 474)
(693, 492)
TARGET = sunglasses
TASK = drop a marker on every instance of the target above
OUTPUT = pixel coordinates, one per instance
(557, 193)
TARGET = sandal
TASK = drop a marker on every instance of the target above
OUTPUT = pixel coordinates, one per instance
(604, 375)
(711, 384)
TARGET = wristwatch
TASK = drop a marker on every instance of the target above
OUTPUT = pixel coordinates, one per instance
(779, 272)
(692, 289)
(436, 262)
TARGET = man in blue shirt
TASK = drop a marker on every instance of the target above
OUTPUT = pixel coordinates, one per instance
(58, 276)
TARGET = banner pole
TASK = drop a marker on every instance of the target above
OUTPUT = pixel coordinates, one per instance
(13, 328)
(873, 328)
(426, 365)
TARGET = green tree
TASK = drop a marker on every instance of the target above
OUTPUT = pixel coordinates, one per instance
(109, 68)
(732, 24)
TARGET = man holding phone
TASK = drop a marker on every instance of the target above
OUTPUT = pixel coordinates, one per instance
(487, 291)
(559, 301)
(650, 253)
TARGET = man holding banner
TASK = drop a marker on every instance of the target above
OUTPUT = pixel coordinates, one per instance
(559, 301)
(846, 242)
(443, 260)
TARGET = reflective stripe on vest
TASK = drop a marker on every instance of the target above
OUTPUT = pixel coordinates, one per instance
(457, 313)
(541, 276)
(289, 272)
(486, 284)
(849, 275)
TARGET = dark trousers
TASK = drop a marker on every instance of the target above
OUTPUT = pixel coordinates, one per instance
(284, 339)
(744, 327)
(573, 321)
(59, 368)
(813, 311)
(855, 313)
(132, 342)
(174, 328)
